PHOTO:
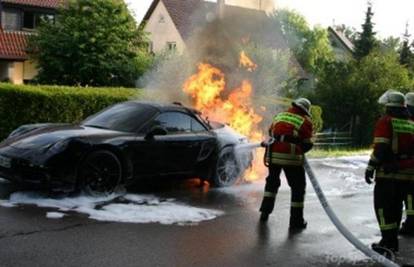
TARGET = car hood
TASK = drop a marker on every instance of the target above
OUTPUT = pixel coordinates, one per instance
(228, 136)
(45, 137)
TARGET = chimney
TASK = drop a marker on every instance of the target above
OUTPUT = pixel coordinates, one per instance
(220, 8)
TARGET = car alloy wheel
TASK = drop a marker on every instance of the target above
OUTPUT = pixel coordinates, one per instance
(101, 172)
(228, 169)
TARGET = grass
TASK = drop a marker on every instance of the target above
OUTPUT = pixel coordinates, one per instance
(338, 152)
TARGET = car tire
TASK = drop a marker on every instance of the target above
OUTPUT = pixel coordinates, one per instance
(227, 170)
(100, 173)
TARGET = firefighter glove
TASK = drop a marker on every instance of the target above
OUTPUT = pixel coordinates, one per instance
(369, 175)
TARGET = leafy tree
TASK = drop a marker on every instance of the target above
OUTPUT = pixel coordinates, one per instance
(390, 44)
(366, 41)
(91, 43)
(310, 46)
(333, 94)
(348, 92)
(375, 74)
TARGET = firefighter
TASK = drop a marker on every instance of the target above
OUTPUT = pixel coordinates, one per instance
(408, 226)
(393, 146)
(292, 133)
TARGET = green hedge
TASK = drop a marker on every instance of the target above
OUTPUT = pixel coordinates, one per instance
(25, 104)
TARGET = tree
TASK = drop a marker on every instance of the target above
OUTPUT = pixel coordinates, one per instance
(94, 43)
(348, 92)
(366, 41)
(406, 55)
(390, 44)
(310, 46)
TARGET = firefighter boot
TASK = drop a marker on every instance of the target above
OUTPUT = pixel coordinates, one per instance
(407, 228)
(267, 206)
(264, 217)
(388, 243)
(296, 219)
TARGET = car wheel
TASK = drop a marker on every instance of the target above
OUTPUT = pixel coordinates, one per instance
(227, 168)
(100, 172)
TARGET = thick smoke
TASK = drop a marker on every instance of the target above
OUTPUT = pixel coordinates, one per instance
(218, 37)
(266, 5)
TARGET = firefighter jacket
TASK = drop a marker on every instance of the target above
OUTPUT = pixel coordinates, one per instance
(393, 146)
(292, 131)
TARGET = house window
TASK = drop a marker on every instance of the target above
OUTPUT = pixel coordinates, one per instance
(11, 20)
(32, 20)
(172, 46)
(28, 20)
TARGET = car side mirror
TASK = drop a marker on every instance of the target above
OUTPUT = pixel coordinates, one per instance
(156, 130)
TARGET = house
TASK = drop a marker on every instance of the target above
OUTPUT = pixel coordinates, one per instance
(343, 47)
(170, 23)
(19, 19)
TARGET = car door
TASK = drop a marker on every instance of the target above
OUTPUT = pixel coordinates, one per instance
(187, 141)
(179, 146)
(206, 143)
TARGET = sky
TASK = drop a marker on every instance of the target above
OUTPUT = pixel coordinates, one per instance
(390, 16)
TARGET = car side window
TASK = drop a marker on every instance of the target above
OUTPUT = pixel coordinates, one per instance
(174, 122)
(197, 126)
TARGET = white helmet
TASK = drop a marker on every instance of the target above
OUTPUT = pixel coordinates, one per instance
(409, 99)
(304, 104)
(392, 98)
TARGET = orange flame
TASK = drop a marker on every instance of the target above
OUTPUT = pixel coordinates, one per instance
(206, 88)
(246, 62)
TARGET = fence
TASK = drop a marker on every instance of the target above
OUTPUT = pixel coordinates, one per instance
(333, 139)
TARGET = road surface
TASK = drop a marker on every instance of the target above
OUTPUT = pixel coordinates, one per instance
(183, 224)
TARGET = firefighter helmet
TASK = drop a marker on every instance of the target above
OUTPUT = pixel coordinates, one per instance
(304, 104)
(392, 98)
(409, 99)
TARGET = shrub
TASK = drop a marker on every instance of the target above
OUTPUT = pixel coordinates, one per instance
(23, 104)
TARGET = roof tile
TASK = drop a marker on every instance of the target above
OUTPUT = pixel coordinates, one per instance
(37, 3)
(13, 45)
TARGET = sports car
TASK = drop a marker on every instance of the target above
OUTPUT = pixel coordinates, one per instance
(121, 145)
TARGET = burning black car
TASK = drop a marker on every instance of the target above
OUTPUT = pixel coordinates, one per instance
(120, 145)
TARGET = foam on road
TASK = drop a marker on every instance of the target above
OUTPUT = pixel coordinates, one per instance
(129, 208)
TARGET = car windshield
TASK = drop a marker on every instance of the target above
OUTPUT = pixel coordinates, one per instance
(125, 117)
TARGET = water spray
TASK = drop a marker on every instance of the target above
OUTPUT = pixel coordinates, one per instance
(328, 210)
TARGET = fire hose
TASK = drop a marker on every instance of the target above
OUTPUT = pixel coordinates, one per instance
(338, 224)
(331, 214)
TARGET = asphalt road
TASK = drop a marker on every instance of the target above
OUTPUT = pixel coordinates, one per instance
(236, 238)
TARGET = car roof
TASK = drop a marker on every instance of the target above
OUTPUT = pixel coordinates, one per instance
(163, 107)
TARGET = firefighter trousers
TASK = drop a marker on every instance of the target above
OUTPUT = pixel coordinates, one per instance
(388, 204)
(296, 179)
(408, 196)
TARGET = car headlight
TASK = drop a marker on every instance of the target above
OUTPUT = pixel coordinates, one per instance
(58, 146)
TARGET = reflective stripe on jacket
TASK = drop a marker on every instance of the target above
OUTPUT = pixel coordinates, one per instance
(398, 135)
(292, 123)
